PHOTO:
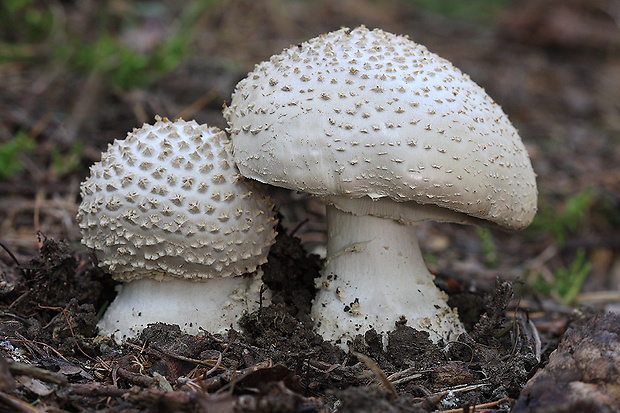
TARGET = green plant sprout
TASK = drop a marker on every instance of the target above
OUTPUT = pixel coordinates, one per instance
(63, 164)
(126, 68)
(30, 23)
(10, 153)
(489, 251)
(567, 282)
(566, 221)
(482, 11)
(24, 22)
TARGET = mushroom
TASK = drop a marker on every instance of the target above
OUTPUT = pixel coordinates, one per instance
(388, 135)
(167, 213)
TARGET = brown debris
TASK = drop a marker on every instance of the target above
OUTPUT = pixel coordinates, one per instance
(493, 318)
(7, 382)
(582, 374)
(452, 373)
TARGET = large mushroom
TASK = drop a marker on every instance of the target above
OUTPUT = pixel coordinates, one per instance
(167, 213)
(389, 135)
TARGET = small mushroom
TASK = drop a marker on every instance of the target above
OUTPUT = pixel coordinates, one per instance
(167, 213)
(389, 135)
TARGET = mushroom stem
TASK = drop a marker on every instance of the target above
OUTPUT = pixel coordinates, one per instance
(375, 276)
(214, 305)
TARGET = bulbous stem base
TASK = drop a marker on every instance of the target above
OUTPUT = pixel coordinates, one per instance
(214, 305)
(374, 277)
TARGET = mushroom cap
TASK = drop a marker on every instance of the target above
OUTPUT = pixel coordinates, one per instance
(168, 201)
(360, 113)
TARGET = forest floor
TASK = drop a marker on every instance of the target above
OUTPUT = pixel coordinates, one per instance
(69, 86)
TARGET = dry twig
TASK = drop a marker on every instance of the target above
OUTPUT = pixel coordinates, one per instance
(386, 385)
(17, 405)
(17, 368)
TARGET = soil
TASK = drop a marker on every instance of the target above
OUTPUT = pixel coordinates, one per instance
(553, 65)
(275, 363)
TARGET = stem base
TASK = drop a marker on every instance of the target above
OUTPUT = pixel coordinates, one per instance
(374, 277)
(214, 305)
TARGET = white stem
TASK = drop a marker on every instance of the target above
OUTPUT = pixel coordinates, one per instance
(214, 305)
(375, 276)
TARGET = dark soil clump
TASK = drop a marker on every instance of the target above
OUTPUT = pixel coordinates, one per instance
(289, 273)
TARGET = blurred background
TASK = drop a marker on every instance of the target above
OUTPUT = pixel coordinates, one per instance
(75, 75)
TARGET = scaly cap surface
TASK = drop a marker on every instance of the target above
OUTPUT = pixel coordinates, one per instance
(358, 113)
(168, 201)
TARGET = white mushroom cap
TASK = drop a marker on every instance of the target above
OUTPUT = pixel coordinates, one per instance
(358, 113)
(168, 202)
(379, 127)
